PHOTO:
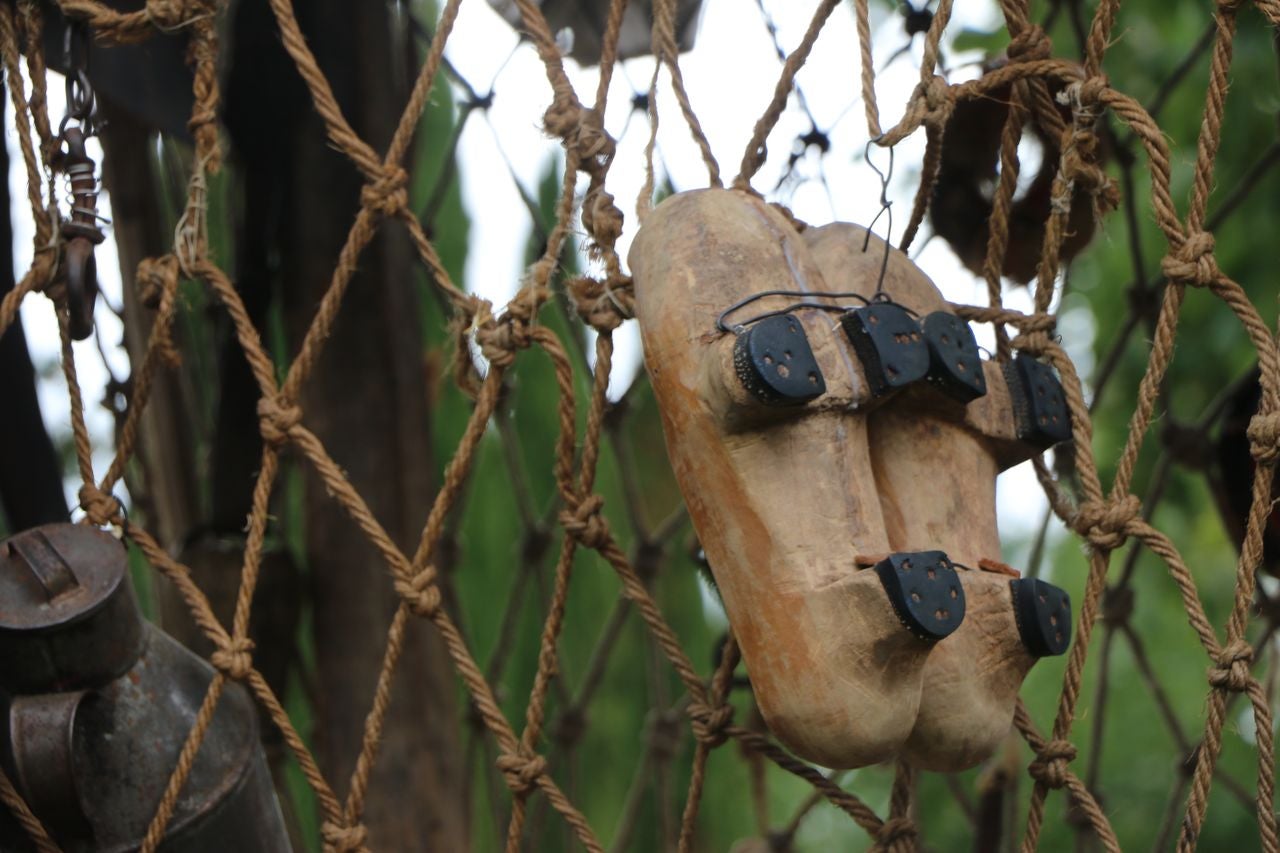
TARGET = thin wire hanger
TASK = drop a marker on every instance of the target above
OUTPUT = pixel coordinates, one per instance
(886, 210)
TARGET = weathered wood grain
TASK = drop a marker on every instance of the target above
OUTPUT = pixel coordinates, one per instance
(786, 499)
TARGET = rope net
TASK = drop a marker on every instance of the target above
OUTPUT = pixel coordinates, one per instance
(1066, 99)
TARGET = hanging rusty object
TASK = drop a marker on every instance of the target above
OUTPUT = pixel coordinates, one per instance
(579, 26)
(80, 233)
(77, 269)
(98, 703)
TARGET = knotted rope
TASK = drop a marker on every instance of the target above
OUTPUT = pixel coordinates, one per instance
(234, 658)
(1106, 524)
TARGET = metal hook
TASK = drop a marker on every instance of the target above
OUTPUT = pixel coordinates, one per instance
(80, 99)
(81, 233)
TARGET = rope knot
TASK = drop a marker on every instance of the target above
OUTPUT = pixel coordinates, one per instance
(234, 659)
(1232, 671)
(343, 839)
(1050, 767)
(1032, 342)
(500, 338)
(895, 830)
(601, 217)
(155, 277)
(276, 417)
(601, 306)
(586, 524)
(522, 770)
(421, 593)
(1035, 333)
(936, 93)
(1082, 97)
(709, 723)
(170, 15)
(1193, 262)
(937, 99)
(101, 508)
(388, 194)
(1030, 45)
(1264, 437)
(1038, 321)
(581, 129)
(1105, 523)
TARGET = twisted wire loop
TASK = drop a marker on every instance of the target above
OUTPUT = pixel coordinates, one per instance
(1042, 88)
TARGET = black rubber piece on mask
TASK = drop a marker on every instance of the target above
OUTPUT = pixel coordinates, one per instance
(1043, 612)
(925, 592)
(775, 363)
(1039, 406)
(954, 365)
(889, 344)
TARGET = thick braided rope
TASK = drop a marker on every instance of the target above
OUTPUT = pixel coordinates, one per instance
(1104, 523)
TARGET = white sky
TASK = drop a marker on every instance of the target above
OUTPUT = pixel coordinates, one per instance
(730, 76)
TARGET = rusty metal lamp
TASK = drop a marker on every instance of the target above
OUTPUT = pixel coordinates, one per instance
(97, 704)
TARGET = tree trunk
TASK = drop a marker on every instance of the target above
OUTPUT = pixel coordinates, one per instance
(366, 401)
(30, 474)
